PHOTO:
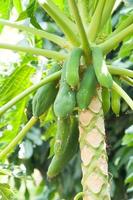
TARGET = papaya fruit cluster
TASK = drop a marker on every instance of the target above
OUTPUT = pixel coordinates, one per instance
(75, 90)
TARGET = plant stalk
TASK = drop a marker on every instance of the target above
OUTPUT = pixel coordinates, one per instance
(120, 71)
(28, 91)
(124, 24)
(109, 4)
(66, 25)
(82, 33)
(112, 42)
(127, 80)
(11, 146)
(123, 94)
(78, 196)
(44, 34)
(94, 26)
(37, 51)
(84, 12)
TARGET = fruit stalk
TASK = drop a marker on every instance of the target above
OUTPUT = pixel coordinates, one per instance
(95, 178)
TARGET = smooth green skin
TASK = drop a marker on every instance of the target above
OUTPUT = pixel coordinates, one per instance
(62, 135)
(59, 162)
(105, 100)
(103, 76)
(43, 99)
(72, 67)
(65, 101)
(115, 100)
(87, 88)
(45, 95)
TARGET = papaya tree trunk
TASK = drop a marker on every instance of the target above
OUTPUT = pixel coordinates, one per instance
(95, 180)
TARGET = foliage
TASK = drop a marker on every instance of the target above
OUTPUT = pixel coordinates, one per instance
(32, 156)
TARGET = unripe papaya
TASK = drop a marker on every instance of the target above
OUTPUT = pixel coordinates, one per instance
(116, 99)
(59, 162)
(72, 67)
(45, 95)
(87, 88)
(62, 135)
(65, 100)
(103, 76)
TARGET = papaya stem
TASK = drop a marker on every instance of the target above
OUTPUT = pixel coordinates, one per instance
(123, 94)
(81, 29)
(107, 12)
(127, 80)
(120, 71)
(10, 147)
(112, 42)
(124, 24)
(28, 91)
(37, 51)
(96, 21)
(84, 12)
(44, 34)
(66, 25)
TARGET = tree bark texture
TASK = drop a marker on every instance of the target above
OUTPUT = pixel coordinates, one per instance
(95, 178)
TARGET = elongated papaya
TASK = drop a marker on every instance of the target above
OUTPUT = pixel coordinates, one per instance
(59, 162)
(87, 88)
(65, 100)
(105, 100)
(72, 67)
(103, 76)
(115, 99)
(45, 95)
(62, 135)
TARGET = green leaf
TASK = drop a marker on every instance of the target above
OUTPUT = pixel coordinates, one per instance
(5, 8)
(6, 193)
(126, 49)
(18, 81)
(30, 13)
(128, 138)
(15, 83)
(11, 122)
(129, 179)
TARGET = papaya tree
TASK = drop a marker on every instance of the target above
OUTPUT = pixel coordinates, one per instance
(80, 86)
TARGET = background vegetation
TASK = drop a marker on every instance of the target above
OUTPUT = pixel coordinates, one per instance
(24, 174)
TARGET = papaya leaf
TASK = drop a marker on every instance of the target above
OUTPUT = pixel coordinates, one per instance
(6, 193)
(126, 49)
(128, 137)
(15, 83)
(11, 122)
(4, 12)
(30, 13)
